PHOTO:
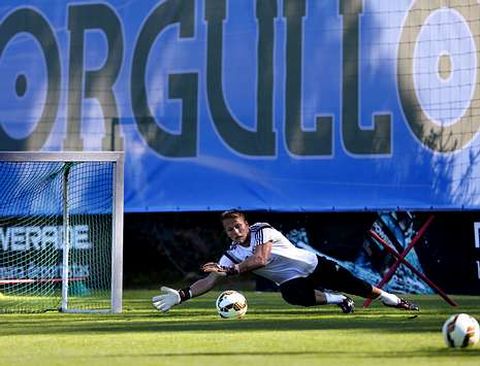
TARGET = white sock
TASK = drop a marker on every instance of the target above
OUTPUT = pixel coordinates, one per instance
(334, 298)
(388, 299)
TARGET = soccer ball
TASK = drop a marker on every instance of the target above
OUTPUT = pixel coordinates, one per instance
(231, 304)
(461, 330)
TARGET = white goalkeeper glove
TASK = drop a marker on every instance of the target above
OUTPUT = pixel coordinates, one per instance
(170, 298)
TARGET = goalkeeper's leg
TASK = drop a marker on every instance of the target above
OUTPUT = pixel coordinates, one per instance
(300, 291)
(331, 275)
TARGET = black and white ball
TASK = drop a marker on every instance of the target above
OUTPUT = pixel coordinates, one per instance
(231, 304)
(461, 330)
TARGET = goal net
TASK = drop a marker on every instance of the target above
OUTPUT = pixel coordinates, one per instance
(61, 229)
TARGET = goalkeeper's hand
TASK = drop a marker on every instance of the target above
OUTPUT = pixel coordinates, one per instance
(221, 270)
(167, 299)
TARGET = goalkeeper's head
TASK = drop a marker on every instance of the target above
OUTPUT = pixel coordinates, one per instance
(236, 226)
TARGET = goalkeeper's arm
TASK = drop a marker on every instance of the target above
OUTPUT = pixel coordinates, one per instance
(205, 284)
(170, 297)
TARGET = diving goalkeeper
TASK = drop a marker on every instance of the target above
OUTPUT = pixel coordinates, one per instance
(304, 278)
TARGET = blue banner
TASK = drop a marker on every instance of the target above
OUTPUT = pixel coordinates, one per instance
(288, 105)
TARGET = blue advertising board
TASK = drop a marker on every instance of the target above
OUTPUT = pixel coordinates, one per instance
(287, 105)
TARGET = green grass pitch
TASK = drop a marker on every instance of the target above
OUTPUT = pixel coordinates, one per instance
(272, 333)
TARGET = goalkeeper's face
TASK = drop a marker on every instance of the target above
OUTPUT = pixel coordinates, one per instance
(237, 229)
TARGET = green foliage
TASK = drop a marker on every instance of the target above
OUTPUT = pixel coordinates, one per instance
(272, 333)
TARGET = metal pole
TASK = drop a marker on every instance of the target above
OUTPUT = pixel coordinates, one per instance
(401, 260)
(66, 240)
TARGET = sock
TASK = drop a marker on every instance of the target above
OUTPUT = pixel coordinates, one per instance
(388, 299)
(334, 298)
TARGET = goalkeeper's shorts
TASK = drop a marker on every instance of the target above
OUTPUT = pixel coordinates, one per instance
(328, 275)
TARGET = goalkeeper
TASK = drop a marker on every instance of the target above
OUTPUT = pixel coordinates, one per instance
(304, 278)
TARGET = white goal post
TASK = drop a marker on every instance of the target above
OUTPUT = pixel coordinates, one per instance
(61, 231)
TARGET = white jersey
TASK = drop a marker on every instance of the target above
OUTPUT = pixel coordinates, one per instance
(286, 260)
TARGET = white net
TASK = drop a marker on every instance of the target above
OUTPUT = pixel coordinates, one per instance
(41, 202)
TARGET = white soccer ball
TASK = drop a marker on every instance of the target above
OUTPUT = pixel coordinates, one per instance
(461, 330)
(231, 304)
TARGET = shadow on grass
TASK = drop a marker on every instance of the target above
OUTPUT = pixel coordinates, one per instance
(160, 324)
(427, 353)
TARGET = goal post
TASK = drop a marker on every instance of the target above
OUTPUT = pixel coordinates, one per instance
(61, 231)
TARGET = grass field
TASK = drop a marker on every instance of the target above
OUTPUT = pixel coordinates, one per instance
(272, 333)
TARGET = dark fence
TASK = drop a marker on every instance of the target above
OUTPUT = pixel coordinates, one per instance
(168, 248)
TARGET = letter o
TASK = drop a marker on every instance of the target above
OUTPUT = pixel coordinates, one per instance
(438, 138)
(29, 21)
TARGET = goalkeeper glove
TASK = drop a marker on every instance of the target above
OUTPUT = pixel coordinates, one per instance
(170, 298)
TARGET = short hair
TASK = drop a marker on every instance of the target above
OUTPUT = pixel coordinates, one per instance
(232, 214)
